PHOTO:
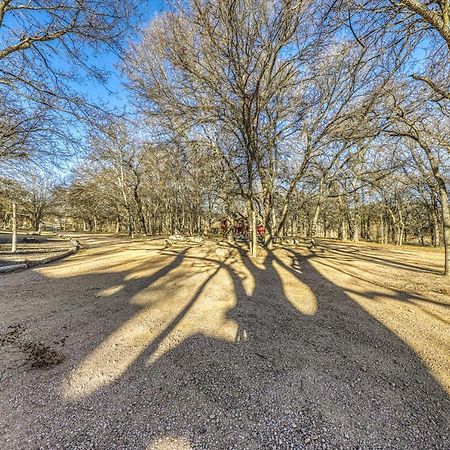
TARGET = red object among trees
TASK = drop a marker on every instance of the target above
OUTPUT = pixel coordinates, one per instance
(260, 230)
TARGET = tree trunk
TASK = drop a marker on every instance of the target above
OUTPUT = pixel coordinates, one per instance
(356, 222)
(446, 222)
(140, 209)
(445, 209)
(401, 227)
(282, 221)
(436, 230)
(268, 234)
(314, 222)
(252, 226)
(121, 180)
(343, 226)
(268, 221)
(35, 223)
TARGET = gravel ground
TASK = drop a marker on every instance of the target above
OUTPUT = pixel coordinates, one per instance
(139, 345)
(31, 248)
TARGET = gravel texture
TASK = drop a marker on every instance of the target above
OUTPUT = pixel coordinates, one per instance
(141, 345)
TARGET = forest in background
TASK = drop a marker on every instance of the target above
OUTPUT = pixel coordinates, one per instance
(307, 118)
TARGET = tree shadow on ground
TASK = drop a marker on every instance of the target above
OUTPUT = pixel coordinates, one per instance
(348, 252)
(330, 378)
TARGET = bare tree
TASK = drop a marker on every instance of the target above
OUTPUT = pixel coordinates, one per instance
(388, 26)
(46, 49)
(217, 73)
(425, 129)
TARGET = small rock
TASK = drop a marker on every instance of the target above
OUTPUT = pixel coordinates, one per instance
(223, 252)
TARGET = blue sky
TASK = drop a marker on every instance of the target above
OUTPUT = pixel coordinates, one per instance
(103, 59)
(118, 98)
(114, 94)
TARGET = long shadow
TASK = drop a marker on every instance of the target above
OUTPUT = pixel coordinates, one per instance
(335, 379)
(83, 308)
(355, 254)
(401, 295)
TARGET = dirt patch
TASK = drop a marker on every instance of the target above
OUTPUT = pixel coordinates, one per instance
(36, 355)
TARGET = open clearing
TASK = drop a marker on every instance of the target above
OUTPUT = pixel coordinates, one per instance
(139, 345)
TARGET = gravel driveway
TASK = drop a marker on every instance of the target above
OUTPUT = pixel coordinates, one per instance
(140, 345)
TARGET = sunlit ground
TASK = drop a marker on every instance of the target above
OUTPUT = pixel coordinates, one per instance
(192, 298)
(185, 292)
(131, 306)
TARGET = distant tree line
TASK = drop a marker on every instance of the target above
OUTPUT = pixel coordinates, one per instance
(311, 119)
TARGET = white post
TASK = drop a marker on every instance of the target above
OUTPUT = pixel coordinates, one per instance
(14, 228)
